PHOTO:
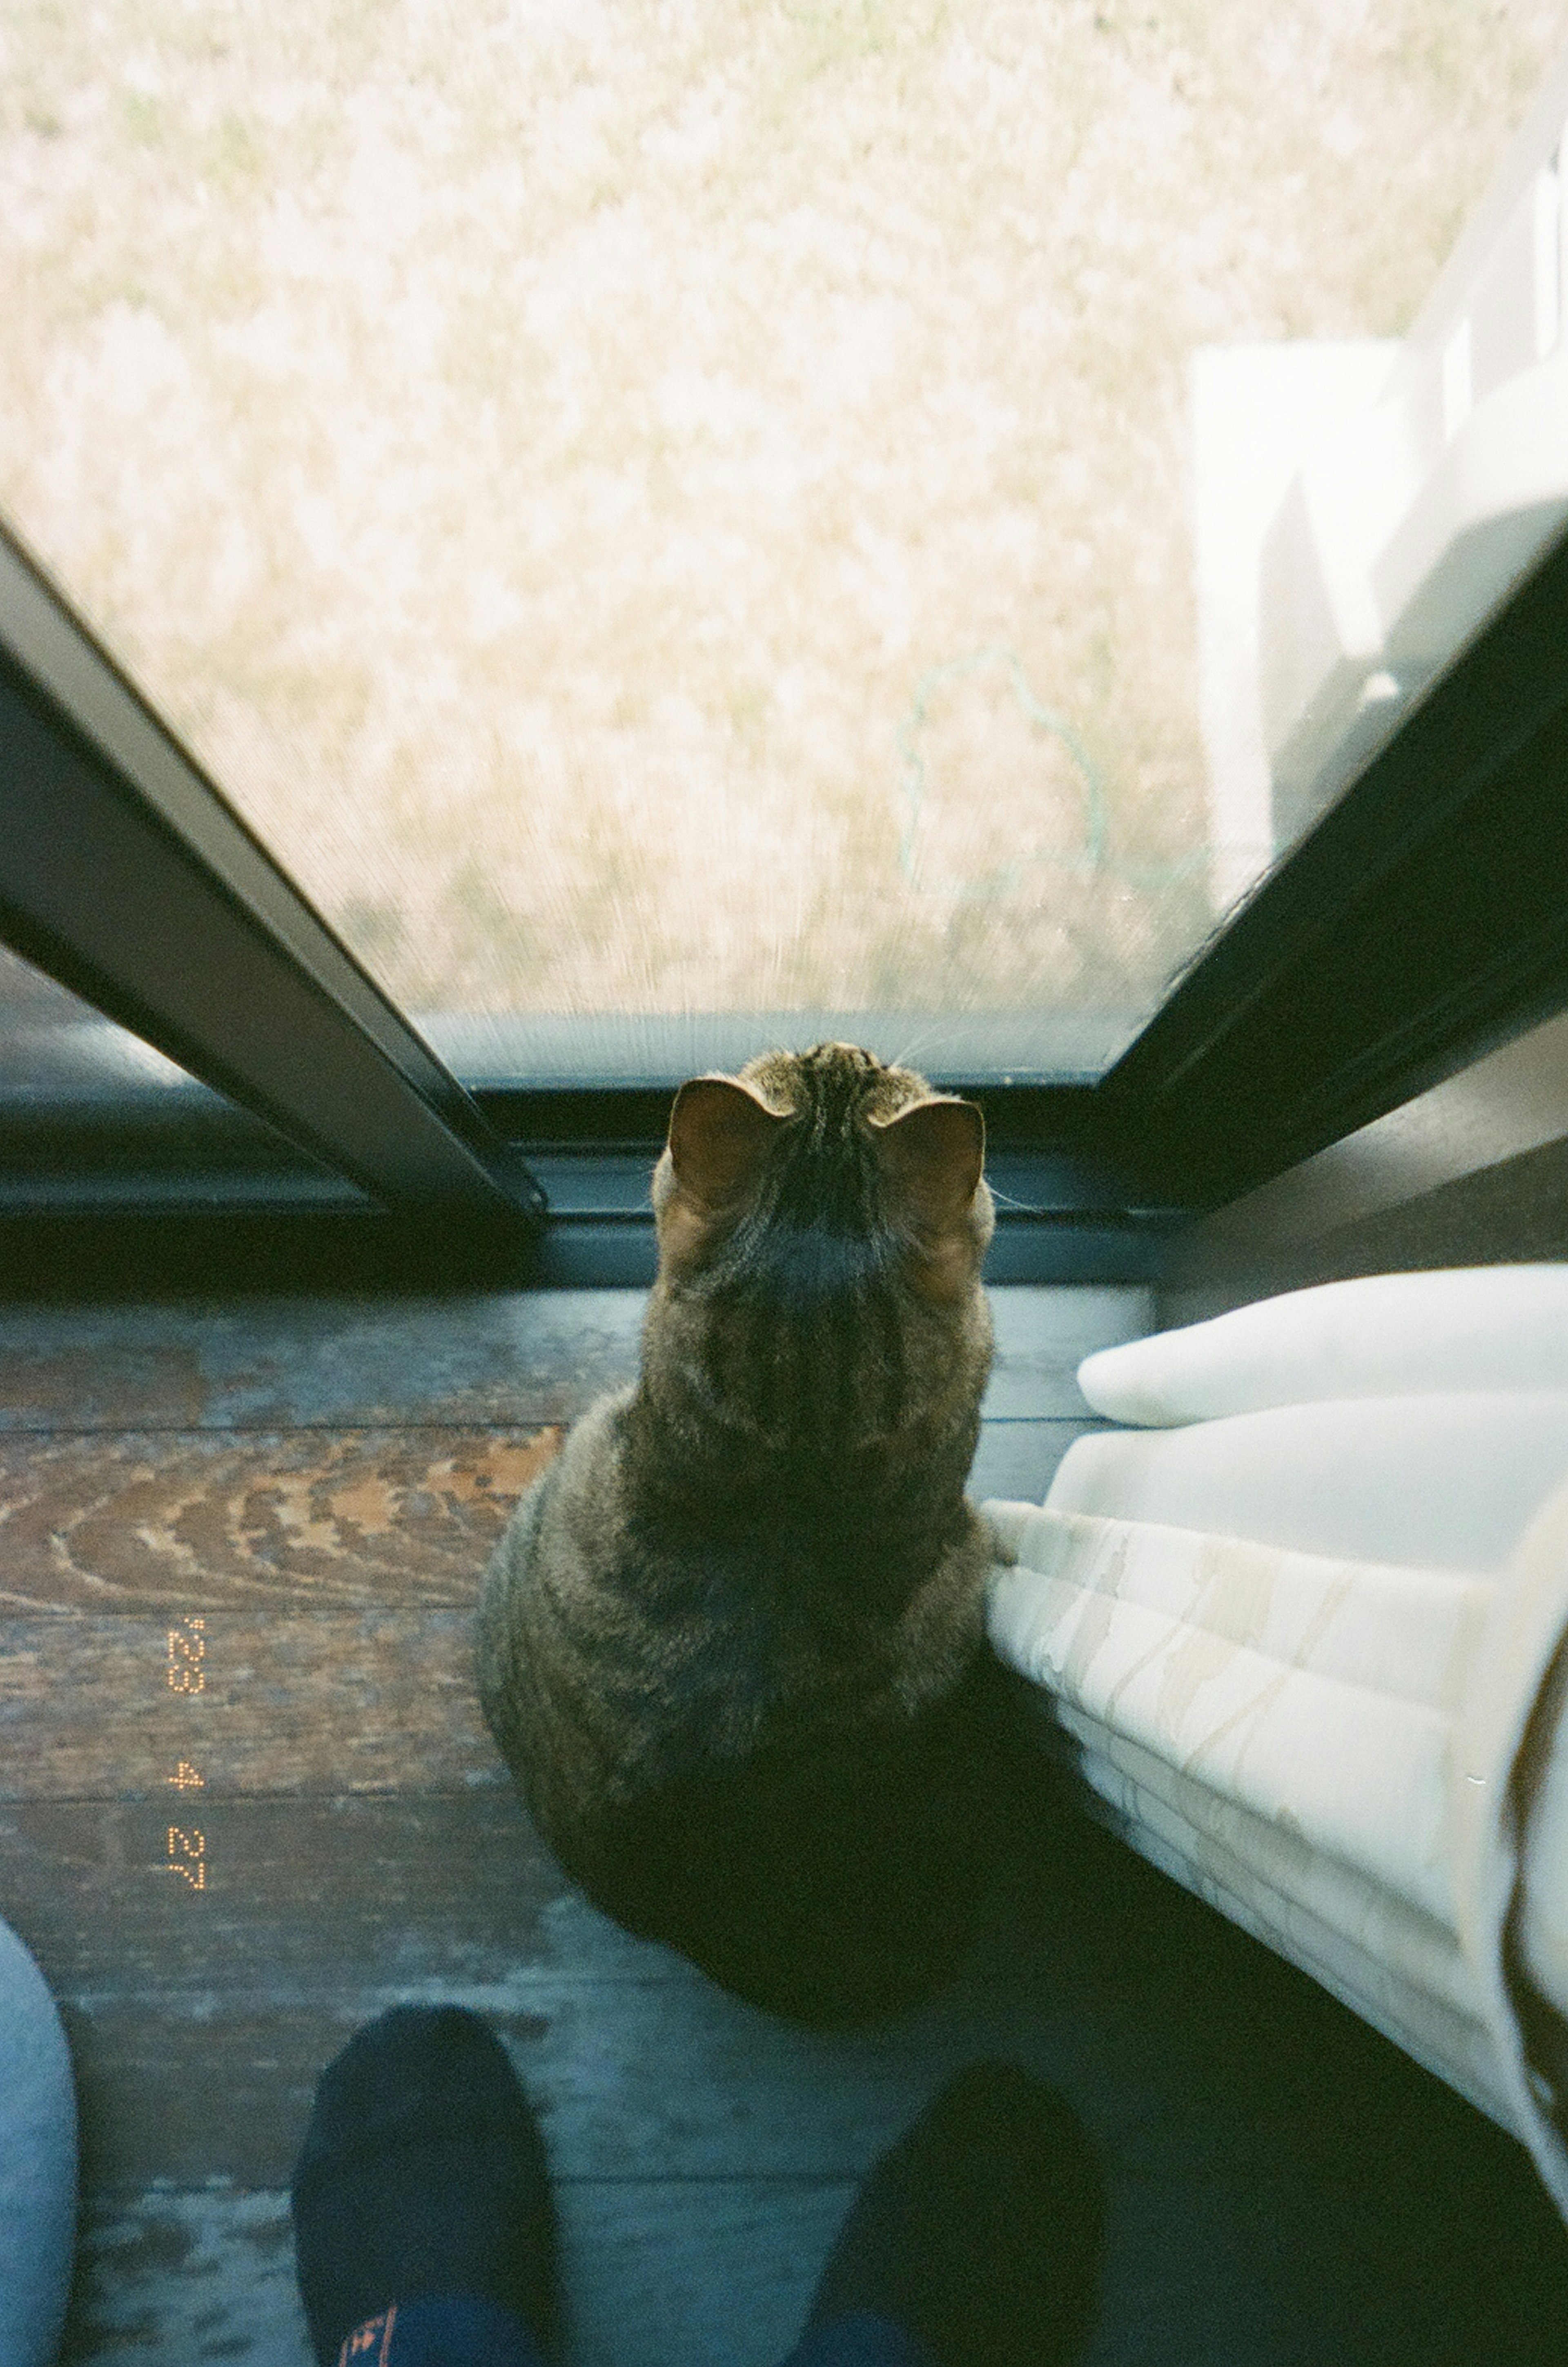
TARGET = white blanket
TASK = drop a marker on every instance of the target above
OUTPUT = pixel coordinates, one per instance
(1301, 1645)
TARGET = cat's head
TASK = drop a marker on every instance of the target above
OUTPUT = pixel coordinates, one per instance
(813, 1171)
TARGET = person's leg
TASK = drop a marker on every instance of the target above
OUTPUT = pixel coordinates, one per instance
(37, 2162)
(975, 2242)
(423, 2228)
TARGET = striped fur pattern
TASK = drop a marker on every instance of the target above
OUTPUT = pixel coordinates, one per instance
(731, 1644)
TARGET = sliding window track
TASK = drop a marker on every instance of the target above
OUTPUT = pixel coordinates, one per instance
(125, 875)
(1423, 920)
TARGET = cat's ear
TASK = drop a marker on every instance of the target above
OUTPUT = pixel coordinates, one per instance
(933, 1154)
(719, 1134)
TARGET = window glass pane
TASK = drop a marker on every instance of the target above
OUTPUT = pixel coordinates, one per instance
(92, 1117)
(57, 1052)
(676, 522)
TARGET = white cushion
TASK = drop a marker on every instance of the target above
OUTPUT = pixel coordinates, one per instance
(1449, 1481)
(1392, 1334)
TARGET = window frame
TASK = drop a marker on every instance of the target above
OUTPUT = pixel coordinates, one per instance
(1422, 919)
(129, 879)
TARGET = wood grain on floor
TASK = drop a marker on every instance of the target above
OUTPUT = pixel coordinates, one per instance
(144, 1520)
(512, 1358)
(247, 1800)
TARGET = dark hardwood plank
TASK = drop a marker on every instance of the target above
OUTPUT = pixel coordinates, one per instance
(1205, 2271)
(302, 1898)
(170, 2279)
(711, 2274)
(202, 1522)
(516, 1358)
(192, 1522)
(1128, 1987)
(1232, 2099)
(626, 2076)
(1409, 2221)
(200, 2019)
(106, 1707)
(320, 1483)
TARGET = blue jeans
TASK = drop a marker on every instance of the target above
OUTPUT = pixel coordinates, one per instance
(452, 2331)
(37, 2162)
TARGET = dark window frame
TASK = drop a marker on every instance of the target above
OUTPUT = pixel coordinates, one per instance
(127, 877)
(1423, 919)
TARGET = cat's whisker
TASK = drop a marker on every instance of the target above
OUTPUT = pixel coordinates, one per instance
(927, 1045)
(913, 1049)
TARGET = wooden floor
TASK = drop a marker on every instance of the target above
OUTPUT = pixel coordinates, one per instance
(246, 1800)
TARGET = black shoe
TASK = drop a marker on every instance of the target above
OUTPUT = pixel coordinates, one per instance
(422, 2173)
(979, 2232)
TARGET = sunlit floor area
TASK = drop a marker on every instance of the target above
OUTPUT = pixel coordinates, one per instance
(248, 1801)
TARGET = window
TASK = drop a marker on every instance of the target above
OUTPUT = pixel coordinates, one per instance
(92, 1117)
(678, 532)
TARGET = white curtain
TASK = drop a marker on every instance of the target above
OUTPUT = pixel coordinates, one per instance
(1308, 1628)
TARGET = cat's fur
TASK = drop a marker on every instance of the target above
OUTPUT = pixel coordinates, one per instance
(731, 1644)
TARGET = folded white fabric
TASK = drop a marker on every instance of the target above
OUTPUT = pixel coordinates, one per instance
(1448, 1480)
(1476, 1328)
(1314, 1657)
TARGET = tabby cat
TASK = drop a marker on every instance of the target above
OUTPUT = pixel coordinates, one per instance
(731, 1644)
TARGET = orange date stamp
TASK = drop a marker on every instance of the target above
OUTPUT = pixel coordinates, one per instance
(185, 1668)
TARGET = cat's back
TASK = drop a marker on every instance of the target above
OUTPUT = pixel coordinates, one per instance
(630, 1632)
(566, 1530)
(730, 1644)
(556, 1619)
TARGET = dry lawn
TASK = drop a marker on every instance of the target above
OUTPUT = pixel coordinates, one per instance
(552, 461)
